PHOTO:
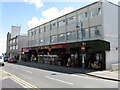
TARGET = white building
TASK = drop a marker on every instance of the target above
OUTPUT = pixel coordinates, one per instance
(100, 24)
(15, 42)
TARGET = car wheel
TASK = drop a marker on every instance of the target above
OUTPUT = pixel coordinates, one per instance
(2, 64)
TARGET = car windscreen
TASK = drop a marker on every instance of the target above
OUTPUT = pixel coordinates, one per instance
(0, 57)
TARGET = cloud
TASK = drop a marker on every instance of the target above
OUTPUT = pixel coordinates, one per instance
(38, 3)
(48, 15)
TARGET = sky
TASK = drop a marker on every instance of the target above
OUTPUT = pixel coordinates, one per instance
(31, 13)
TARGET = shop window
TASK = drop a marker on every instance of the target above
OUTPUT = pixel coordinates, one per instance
(70, 19)
(61, 37)
(53, 39)
(61, 23)
(95, 31)
(71, 35)
(47, 41)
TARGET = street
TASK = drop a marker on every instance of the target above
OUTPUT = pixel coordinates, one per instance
(38, 78)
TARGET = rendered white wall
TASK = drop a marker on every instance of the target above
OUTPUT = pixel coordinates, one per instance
(110, 27)
(15, 31)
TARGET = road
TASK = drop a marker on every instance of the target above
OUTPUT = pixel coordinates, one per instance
(38, 78)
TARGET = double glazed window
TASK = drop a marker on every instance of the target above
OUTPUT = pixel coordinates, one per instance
(47, 41)
(95, 31)
(54, 25)
(53, 39)
(83, 16)
(95, 12)
(71, 35)
(47, 28)
(61, 37)
(61, 23)
(70, 19)
(41, 30)
(41, 41)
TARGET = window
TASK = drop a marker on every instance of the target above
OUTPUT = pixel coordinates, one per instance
(95, 31)
(16, 40)
(11, 47)
(16, 46)
(47, 40)
(83, 16)
(36, 31)
(47, 28)
(41, 30)
(95, 12)
(13, 40)
(53, 39)
(62, 22)
(70, 19)
(61, 37)
(54, 25)
(41, 41)
(71, 35)
(85, 34)
(32, 33)
(10, 41)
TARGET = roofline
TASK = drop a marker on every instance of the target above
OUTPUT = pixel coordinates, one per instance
(64, 15)
(72, 12)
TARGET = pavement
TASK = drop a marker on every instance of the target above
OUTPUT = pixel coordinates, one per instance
(105, 74)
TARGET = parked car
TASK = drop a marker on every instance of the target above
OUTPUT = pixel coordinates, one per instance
(1, 61)
(12, 60)
(5, 58)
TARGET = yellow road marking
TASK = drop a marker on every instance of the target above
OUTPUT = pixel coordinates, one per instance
(20, 81)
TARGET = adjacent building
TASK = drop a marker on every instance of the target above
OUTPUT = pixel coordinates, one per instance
(15, 42)
(100, 34)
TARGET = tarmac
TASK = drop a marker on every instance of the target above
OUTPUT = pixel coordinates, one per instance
(104, 74)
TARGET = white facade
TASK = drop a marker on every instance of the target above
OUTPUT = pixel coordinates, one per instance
(15, 31)
(100, 22)
(110, 26)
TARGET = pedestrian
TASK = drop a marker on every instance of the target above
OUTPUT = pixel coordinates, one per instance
(35, 59)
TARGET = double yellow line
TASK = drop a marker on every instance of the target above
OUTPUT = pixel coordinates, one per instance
(20, 81)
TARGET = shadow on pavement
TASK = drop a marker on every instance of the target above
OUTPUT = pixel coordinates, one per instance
(62, 69)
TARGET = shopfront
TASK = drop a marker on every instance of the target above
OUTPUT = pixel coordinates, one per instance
(70, 54)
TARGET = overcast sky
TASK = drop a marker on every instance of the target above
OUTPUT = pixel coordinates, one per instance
(30, 13)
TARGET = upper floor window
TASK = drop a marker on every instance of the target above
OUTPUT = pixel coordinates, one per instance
(41, 41)
(95, 31)
(95, 12)
(83, 16)
(70, 19)
(36, 31)
(41, 29)
(62, 22)
(83, 34)
(53, 25)
(71, 35)
(61, 37)
(53, 39)
(47, 28)
(47, 41)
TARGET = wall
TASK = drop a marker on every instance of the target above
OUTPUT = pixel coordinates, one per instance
(22, 42)
(110, 26)
(15, 31)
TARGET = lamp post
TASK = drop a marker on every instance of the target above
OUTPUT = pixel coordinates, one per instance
(82, 47)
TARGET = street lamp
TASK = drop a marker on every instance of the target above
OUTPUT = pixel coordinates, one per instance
(82, 47)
